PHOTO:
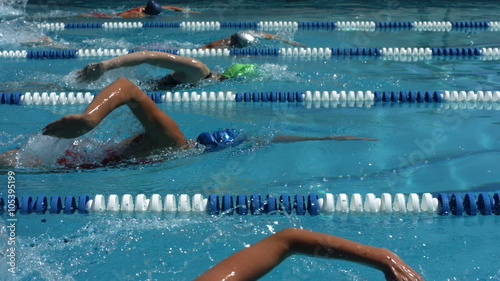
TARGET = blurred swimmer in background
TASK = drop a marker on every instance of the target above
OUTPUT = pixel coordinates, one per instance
(238, 40)
(151, 9)
(242, 39)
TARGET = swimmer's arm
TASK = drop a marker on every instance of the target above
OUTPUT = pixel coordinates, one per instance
(177, 9)
(44, 41)
(191, 68)
(224, 42)
(280, 138)
(97, 15)
(137, 12)
(270, 36)
(161, 130)
(132, 15)
(255, 261)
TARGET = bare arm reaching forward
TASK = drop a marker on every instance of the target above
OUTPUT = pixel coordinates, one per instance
(185, 69)
(255, 261)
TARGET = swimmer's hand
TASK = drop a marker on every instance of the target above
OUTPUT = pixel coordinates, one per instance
(70, 126)
(91, 72)
(396, 269)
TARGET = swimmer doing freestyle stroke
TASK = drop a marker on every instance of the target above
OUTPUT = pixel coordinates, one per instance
(151, 9)
(246, 38)
(161, 132)
(238, 40)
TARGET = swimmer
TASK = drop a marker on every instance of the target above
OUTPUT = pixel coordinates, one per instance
(161, 132)
(45, 41)
(257, 260)
(242, 39)
(187, 71)
(151, 9)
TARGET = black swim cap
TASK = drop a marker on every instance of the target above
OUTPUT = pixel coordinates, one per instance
(241, 39)
(153, 8)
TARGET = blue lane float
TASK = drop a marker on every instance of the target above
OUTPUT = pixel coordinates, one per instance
(240, 24)
(369, 97)
(386, 53)
(442, 204)
(256, 205)
(213, 207)
(11, 98)
(10, 204)
(26, 205)
(307, 25)
(496, 203)
(242, 204)
(485, 203)
(55, 205)
(83, 25)
(41, 205)
(470, 204)
(456, 204)
(70, 205)
(161, 24)
(169, 51)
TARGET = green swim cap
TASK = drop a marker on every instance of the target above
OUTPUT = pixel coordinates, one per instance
(239, 69)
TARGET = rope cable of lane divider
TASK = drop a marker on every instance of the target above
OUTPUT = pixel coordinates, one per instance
(385, 53)
(471, 99)
(443, 204)
(437, 26)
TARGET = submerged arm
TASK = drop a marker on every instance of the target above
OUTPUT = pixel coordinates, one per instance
(137, 12)
(281, 138)
(177, 9)
(221, 43)
(255, 261)
(188, 69)
(286, 41)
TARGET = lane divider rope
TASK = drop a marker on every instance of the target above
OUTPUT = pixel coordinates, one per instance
(443, 204)
(438, 26)
(386, 53)
(69, 98)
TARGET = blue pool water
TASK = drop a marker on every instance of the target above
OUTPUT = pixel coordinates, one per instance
(423, 148)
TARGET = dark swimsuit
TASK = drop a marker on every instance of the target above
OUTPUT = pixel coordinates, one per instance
(168, 82)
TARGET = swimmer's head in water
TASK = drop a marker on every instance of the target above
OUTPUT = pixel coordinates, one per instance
(239, 69)
(242, 39)
(153, 8)
(219, 139)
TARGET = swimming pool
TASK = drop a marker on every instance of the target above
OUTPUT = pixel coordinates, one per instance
(446, 147)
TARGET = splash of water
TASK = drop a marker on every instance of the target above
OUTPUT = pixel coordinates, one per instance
(12, 8)
(277, 72)
(42, 150)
